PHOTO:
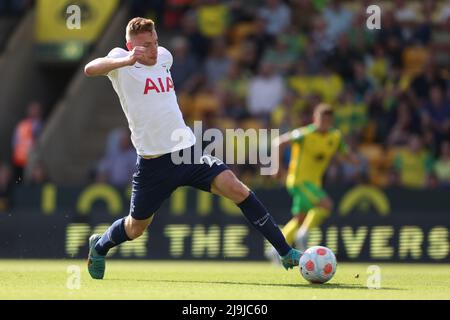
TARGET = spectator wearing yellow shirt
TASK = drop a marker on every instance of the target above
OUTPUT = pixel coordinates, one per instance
(350, 116)
(442, 165)
(413, 164)
(327, 85)
(378, 66)
(213, 18)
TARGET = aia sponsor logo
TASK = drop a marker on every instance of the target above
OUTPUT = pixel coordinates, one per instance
(159, 85)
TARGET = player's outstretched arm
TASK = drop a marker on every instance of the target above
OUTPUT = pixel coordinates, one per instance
(283, 139)
(102, 66)
(278, 146)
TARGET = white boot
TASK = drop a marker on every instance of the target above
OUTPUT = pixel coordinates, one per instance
(301, 242)
(272, 255)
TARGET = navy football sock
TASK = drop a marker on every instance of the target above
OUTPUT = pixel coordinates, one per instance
(114, 236)
(257, 214)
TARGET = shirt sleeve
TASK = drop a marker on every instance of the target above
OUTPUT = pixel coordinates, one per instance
(116, 53)
(297, 135)
(165, 56)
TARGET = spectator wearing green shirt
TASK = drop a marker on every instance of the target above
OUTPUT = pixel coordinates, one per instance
(280, 56)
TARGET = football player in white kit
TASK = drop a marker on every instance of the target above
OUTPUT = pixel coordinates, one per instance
(142, 80)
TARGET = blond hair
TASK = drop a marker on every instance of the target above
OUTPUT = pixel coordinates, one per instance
(323, 108)
(139, 25)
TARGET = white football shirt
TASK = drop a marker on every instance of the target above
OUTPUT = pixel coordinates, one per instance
(149, 101)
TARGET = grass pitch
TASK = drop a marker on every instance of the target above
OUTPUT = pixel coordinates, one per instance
(44, 279)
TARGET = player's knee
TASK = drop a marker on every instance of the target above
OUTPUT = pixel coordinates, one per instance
(239, 191)
(300, 217)
(327, 204)
(135, 232)
(135, 228)
(231, 187)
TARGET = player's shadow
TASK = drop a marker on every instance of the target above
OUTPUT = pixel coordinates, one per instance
(289, 285)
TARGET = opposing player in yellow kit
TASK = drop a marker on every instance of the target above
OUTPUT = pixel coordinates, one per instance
(312, 148)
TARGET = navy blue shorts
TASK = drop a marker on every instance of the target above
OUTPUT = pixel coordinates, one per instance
(156, 179)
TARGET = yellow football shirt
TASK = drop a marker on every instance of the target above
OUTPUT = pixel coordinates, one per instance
(311, 153)
(413, 167)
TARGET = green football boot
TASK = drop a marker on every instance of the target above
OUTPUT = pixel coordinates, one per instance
(96, 262)
(292, 259)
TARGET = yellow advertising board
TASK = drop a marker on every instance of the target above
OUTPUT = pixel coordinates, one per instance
(65, 28)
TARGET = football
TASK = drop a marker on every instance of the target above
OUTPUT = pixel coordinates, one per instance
(318, 264)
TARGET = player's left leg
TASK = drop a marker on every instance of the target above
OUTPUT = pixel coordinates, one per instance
(151, 186)
(226, 184)
(298, 211)
(291, 228)
(315, 217)
(125, 229)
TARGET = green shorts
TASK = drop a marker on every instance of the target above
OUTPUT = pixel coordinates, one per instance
(305, 196)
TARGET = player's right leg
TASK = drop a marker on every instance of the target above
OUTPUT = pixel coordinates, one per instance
(125, 229)
(227, 185)
(300, 206)
(291, 228)
(150, 188)
(290, 233)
